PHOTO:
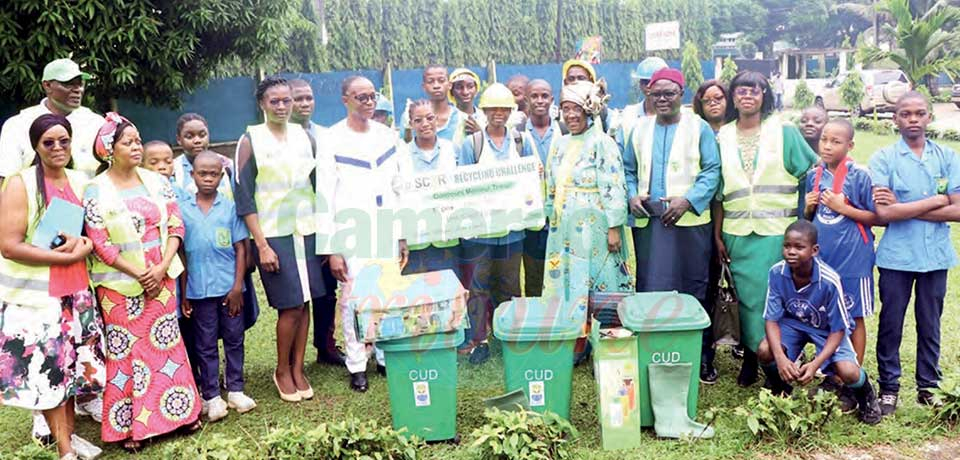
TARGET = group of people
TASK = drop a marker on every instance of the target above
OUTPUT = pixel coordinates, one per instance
(122, 320)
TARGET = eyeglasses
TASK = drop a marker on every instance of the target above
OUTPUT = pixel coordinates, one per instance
(365, 98)
(280, 101)
(51, 143)
(712, 101)
(664, 95)
(749, 91)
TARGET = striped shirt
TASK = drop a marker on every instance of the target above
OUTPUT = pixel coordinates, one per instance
(817, 308)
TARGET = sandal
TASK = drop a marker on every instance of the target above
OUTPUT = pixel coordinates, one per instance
(132, 446)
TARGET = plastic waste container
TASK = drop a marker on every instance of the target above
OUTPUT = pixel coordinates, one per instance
(422, 382)
(668, 326)
(538, 339)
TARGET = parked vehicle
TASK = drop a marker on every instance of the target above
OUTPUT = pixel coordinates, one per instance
(882, 88)
(955, 95)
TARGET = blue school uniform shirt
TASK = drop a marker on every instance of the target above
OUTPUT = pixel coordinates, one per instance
(916, 245)
(466, 156)
(704, 187)
(543, 143)
(816, 308)
(842, 246)
(208, 244)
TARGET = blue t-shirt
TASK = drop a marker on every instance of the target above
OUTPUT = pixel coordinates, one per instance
(816, 308)
(208, 244)
(916, 245)
(842, 245)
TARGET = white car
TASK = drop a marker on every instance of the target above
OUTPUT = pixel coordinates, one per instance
(882, 88)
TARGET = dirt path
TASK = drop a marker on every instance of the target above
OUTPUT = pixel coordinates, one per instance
(942, 449)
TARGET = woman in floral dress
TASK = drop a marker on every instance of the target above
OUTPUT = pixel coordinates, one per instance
(50, 349)
(586, 199)
(132, 217)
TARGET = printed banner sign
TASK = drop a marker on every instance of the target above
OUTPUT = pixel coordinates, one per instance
(662, 36)
(471, 201)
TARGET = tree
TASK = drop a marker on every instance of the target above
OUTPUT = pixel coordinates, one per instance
(143, 50)
(728, 71)
(690, 66)
(923, 41)
(852, 92)
(802, 96)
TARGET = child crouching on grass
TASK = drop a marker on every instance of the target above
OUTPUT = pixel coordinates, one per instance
(840, 205)
(216, 260)
(805, 305)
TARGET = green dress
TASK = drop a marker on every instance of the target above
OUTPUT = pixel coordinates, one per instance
(752, 255)
(586, 195)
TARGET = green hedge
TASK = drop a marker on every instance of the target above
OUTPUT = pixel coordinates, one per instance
(365, 34)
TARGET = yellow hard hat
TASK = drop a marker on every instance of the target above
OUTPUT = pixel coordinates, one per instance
(497, 95)
(578, 63)
(460, 75)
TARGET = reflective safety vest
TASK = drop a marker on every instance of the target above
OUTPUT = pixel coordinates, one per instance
(683, 165)
(284, 195)
(766, 203)
(24, 284)
(123, 233)
(514, 144)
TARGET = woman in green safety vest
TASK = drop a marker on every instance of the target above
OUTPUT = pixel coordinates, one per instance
(50, 344)
(275, 196)
(131, 214)
(762, 161)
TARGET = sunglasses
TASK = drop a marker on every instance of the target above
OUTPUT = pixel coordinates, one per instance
(51, 143)
(749, 91)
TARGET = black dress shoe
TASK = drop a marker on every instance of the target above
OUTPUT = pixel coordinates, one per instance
(382, 370)
(358, 382)
(336, 358)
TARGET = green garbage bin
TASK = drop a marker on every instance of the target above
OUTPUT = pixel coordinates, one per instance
(669, 327)
(538, 351)
(422, 381)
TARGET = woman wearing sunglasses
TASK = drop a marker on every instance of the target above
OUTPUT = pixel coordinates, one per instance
(762, 160)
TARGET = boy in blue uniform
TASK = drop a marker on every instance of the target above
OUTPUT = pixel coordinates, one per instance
(805, 305)
(840, 204)
(918, 192)
(216, 260)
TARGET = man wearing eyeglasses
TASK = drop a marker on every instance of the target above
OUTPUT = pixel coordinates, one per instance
(672, 168)
(64, 83)
(357, 164)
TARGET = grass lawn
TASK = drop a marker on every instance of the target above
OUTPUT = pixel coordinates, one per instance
(335, 401)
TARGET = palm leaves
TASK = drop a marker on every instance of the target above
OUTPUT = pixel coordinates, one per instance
(922, 39)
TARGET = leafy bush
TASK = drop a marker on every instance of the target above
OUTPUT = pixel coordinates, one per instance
(876, 126)
(349, 439)
(943, 97)
(522, 435)
(951, 134)
(949, 395)
(795, 420)
(211, 447)
(35, 451)
(728, 71)
(852, 92)
(802, 96)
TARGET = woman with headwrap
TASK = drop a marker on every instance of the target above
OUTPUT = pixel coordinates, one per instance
(586, 201)
(131, 215)
(50, 348)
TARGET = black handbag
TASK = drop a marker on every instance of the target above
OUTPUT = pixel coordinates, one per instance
(726, 311)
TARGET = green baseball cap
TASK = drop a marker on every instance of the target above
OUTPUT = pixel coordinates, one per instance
(63, 70)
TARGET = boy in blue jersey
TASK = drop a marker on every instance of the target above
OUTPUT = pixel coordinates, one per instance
(805, 305)
(840, 204)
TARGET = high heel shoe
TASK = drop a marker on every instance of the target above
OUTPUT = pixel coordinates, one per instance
(306, 394)
(288, 397)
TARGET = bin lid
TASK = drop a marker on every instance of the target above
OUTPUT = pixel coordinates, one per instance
(449, 339)
(528, 319)
(662, 312)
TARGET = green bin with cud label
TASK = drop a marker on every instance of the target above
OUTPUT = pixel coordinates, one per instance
(669, 328)
(422, 381)
(538, 338)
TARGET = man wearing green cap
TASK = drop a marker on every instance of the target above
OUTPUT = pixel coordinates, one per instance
(63, 82)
